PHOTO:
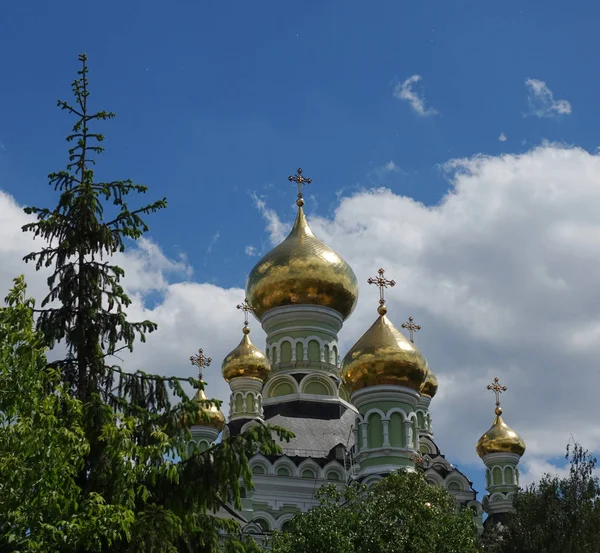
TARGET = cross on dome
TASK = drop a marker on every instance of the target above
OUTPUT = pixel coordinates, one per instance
(246, 308)
(201, 361)
(382, 283)
(300, 180)
(497, 388)
(411, 327)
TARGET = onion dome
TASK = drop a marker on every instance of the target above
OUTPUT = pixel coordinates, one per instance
(500, 438)
(430, 386)
(246, 360)
(384, 356)
(302, 270)
(208, 416)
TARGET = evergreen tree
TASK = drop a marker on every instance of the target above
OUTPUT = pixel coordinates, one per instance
(556, 515)
(139, 457)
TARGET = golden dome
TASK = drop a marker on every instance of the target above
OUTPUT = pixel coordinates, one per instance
(500, 438)
(302, 270)
(246, 360)
(430, 386)
(384, 356)
(214, 417)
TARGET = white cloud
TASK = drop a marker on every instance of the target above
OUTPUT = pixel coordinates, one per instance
(390, 167)
(541, 100)
(501, 274)
(251, 251)
(213, 241)
(406, 91)
(276, 229)
(502, 137)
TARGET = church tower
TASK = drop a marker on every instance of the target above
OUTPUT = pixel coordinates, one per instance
(501, 449)
(301, 292)
(385, 373)
(245, 369)
(210, 420)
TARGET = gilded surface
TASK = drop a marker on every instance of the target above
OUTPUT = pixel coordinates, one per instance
(213, 414)
(384, 356)
(500, 438)
(246, 360)
(302, 270)
(430, 387)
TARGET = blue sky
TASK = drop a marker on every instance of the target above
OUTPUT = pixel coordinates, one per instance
(217, 102)
(219, 99)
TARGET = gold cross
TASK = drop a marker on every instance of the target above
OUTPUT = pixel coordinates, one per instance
(300, 180)
(245, 307)
(497, 388)
(381, 282)
(201, 361)
(412, 327)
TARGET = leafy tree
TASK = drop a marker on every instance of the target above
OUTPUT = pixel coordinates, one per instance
(557, 515)
(401, 514)
(42, 447)
(138, 456)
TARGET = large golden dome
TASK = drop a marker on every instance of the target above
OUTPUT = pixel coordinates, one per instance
(384, 356)
(302, 270)
(246, 360)
(430, 386)
(208, 416)
(500, 438)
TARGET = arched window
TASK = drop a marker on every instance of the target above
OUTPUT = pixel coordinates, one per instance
(335, 355)
(375, 436)
(454, 486)
(258, 470)
(274, 359)
(317, 388)
(264, 524)
(309, 473)
(282, 389)
(496, 476)
(508, 476)
(249, 403)
(326, 354)
(421, 420)
(286, 352)
(396, 430)
(334, 476)
(314, 351)
(239, 403)
(286, 526)
(283, 471)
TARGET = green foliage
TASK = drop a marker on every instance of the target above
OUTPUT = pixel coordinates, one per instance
(557, 515)
(131, 450)
(401, 514)
(43, 448)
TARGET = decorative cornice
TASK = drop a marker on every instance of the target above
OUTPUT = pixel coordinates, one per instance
(385, 392)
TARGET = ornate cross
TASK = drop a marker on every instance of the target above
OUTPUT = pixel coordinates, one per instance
(201, 361)
(300, 180)
(381, 282)
(411, 327)
(497, 388)
(245, 307)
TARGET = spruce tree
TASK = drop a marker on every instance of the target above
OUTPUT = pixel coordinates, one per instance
(140, 457)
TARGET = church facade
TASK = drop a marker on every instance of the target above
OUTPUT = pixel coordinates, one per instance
(356, 415)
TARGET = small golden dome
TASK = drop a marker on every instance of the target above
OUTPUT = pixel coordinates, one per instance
(302, 270)
(500, 438)
(214, 417)
(430, 387)
(246, 360)
(384, 356)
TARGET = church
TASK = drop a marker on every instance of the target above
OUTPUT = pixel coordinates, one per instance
(357, 415)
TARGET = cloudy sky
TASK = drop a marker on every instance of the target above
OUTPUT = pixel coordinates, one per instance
(456, 146)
